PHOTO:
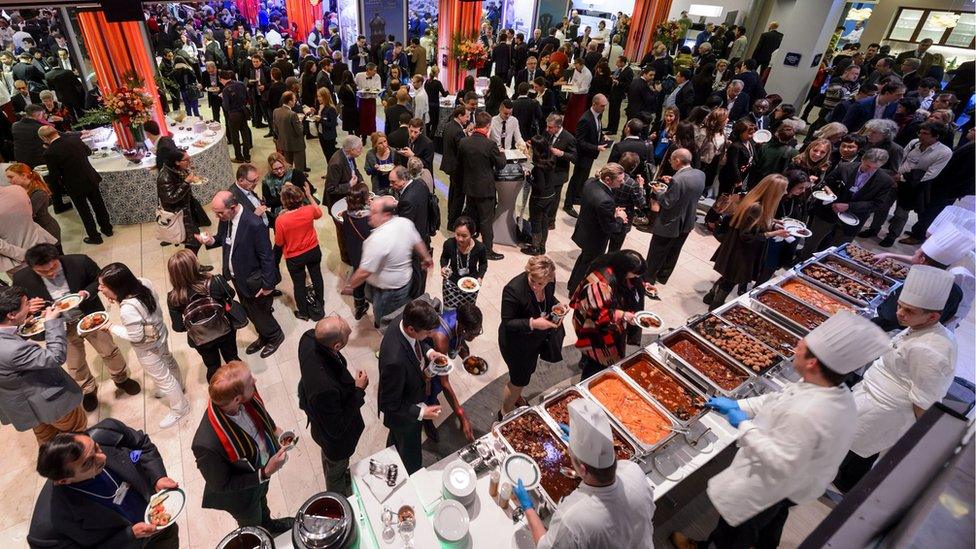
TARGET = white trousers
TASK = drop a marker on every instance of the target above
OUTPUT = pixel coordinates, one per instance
(159, 363)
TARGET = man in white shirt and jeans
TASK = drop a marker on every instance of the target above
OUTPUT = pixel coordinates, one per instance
(386, 267)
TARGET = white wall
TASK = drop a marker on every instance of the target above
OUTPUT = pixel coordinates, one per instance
(743, 6)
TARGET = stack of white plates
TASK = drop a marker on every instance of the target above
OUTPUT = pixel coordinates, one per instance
(460, 481)
(451, 521)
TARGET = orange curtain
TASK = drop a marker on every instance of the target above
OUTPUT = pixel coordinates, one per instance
(114, 49)
(249, 9)
(304, 15)
(455, 18)
(647, 14)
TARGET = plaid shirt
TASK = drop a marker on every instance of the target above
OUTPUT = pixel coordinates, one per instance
(630, 196)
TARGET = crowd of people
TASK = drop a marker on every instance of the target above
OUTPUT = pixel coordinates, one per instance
(697, 129)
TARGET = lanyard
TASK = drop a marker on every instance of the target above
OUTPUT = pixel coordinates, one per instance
(115, 493)
(463, 268)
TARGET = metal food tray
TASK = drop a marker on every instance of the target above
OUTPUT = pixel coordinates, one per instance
(614, 424)
(682, 365)
(701, 337)
(678, 378)
(749, 304)
(511, 416)
(768, 311)
(584, 387)
(822, 288)
(894, 283)
(836, 292)
(842, 251)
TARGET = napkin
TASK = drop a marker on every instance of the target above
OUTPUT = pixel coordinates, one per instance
(381, 490)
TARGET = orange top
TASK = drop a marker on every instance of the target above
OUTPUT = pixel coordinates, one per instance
(295, 231)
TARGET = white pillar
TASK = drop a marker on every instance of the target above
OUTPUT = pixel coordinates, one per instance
(807, 26)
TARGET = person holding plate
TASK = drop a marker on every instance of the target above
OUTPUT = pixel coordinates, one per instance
(98, 486)
(458, 327)
(462, 257)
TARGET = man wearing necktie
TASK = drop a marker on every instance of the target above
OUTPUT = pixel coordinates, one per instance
(505, 130)
(529, 73)
(623, 75)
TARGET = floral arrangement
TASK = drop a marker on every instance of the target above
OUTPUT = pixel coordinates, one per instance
(131, 103)
(469, 53)
(668, 32)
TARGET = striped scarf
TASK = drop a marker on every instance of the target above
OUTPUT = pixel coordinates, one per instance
(236, 442)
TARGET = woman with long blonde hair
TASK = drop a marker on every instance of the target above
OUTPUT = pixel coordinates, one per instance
(739, 257)
(22, 175)
(815, 158)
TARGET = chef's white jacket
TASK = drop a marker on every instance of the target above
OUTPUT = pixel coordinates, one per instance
(612, 517)
(917, 371)
(790, 449)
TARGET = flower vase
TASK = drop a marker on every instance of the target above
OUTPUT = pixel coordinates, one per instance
(138, 136)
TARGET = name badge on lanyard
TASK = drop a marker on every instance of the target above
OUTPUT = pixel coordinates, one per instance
(120, 493)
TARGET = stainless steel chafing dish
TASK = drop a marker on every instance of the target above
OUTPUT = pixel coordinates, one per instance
(690, 387)
(782, 319)
(822, 288)
(750, 305)
(553, 396)
(674, 428)
(891, 284)
(873, 296)
(843, 252)
(748, 385)
(696, 321)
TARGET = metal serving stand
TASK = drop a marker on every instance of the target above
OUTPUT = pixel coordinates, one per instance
(748, 385)
(636, 450)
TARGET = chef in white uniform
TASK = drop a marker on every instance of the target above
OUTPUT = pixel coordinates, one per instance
(613, 506)
(792, 441)
(908, 379)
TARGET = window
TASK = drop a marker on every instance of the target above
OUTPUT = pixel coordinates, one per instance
(945, 28)
(962, 35)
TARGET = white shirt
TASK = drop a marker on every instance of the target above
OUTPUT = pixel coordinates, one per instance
(244, 421)
(581, 79)
(363, 82)
(613, 52)
(916, 372)
(255, 201)
(274, 38)
(135, 318)
(926, 102)
(672, 97)
(19, 38)
(932, 159)
(510, 137)
(190, 49)
(617, 516)
(421, 106)
(388, 252)
(599, 36)
(791, 448)
(235, 222)
(561, 36)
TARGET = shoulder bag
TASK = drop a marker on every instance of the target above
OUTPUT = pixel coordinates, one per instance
(169, 226)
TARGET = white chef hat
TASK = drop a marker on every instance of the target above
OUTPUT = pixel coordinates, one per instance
(961, 218)
(590, 438)
(948, 245)
(968, 202)
(927, 287)
(846, 341)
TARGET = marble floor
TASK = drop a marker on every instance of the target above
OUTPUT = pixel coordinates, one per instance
(277, 376)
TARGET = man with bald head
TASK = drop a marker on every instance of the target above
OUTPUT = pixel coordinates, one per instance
(590, 142)
(331, 399)
(676, 219)
(249, 263)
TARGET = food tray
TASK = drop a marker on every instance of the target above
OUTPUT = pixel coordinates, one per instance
(685, 408)
(789, 310)
(862, 273)
(751, 354)
(763, 328)
(555, 485)
(737, 377)
(839, 284)
(815, 296)
(622, 443)
(889, 267)
(650, 407)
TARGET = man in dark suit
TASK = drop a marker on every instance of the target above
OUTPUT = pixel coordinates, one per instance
(759, 114)
(68, 88)
(479, 159)
(563, 146)
(529, 73)
(683, 93)
(248, 262)
(451, 138)
(243, 190)
(213, 52)
(28, 146)
(589, 145)
(885, 103)
(342, 170)
(404, 355)
(69, 169)
(75, 507)
(359, 55)
(210, 80)
(769, 42)
(520, 54)
(25, 70)
(331, 399)
(623, 75)
(550, 40)
(679, 202)
(24, 97)
(752, 82)
(632, 142)
(412, 196)
(734, 99)
(861, 188)
(955, 181)
(396, 111)
(283, 64)
(258, 80)
(501, 58)
(165, 146)
(418, 145)
(642, 100)
(237, 450)
(598, 219)
(233, 101)
(528, 112)
(399, 137)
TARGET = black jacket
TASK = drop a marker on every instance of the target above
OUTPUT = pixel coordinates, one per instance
(622, 85)
(523, 76)
(28, 147)
(588, 136)
(68, 165)
(519, 344)
(641, 148)
(68, 87)
(81, 273)
(685, 100)
(412, 204)
(392, 115)
(337, 177)
(401, 386)
(957, 179)
(752, 85)
(479, 158)
(740, 106)
(328, 395)
(566, 143)
(166, 148)
(528, 112)
(423, 148)
(641, 99)
(501, 57)
(254, 265)
(597, 219)
(20, 103)
(769, 42)
(453, 133)
(65, 518)
(869, 198)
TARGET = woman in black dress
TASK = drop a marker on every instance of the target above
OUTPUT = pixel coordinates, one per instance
(327, 123)
(468, 87)
(355, 229)
(795, 205)
(347, 98)
(543, 193)
(739, 257)
(602, 81)
(435, 91)
(495, 95)
(527, 332)
(462, 256)
(173, 190)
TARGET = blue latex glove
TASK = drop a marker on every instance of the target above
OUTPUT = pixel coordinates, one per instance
(735, 417)
(565, 432)
(525, 500)
(722, 405)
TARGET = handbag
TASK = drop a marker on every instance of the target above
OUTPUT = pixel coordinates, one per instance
(235, 311)
(552, 347)
(169, 226)
(523, 228)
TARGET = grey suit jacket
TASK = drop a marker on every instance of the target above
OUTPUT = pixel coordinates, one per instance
(33, 387)
(289, 130)
(679, 204)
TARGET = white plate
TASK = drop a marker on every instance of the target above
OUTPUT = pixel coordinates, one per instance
(37, 329)
(460, 481)
(762, 136)
(451, 521)
(521, 466)
(790, 222)
(82, 331)
(439, 370)
(385, 168)
(68, 297)
(175, 503)
(647, 314)
(286, 434)
(824, 197)
(460, 282)
(848, 218)
(801, 232)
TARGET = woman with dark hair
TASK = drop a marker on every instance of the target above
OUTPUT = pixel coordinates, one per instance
(702, 82)
(467, 87)
(462, 256)
(458, 327)
(326, 123)
(600, 303)
(710, 138)
(192, 286)
(295, 235)
(543, 193)
(380, 161)
(781, 253)
(784, 111)
(666, 128)
(684, 138)
(495, 95)
(347, 98)
(602, 81)
(308, 89)
(739, 154)
(355, 229)
(435, 92)
(280, 173)
(143, 327)
(175, 195)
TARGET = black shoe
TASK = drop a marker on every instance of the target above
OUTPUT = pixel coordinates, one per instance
(494, 256)
(247, 160)
(90, 402)
(310, 136)
(206, 268)
(92, 240)
(867, 233)
(259, 126)
(129, 386)
(108, 232)
(570, 212)
(276, 293)
(530, 250)
(238, 160)
(280, 526)
(887, 242)
(270, 348)
(61, 208)
(307, 170)
(431, 431)
(254, 347)
(164, 244)
(499, 415)
(301, 316)
(361, 311)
